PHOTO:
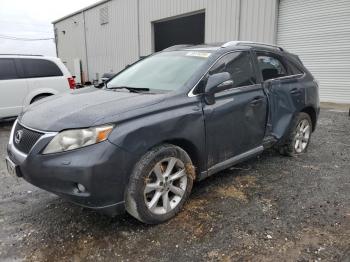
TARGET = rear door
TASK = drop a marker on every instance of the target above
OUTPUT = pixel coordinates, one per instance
(285, 90)
(236, 122)
(13, 89)
(43, 76)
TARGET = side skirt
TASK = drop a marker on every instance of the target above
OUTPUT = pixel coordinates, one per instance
(230, 162)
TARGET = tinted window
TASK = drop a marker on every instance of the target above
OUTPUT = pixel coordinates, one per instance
(7, 69)
(294, 69)
(40, 68)
(239, 65)
(271, 67)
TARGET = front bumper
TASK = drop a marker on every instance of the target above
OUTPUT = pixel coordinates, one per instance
(103, 169)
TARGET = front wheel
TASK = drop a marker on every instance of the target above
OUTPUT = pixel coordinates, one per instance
(160, 184)
(298, 137)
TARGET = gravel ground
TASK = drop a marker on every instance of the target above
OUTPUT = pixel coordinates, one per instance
(271, 208)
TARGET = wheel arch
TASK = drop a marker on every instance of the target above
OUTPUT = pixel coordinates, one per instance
(38, 92)
(38, 95)
(312, 113)
(189, 148)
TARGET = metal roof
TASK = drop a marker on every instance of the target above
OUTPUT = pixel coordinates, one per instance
(81, 10)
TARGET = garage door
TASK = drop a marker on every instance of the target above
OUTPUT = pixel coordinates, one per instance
(183, 30)
(319, 32)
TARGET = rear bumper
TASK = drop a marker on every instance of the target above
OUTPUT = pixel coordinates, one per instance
(103, 169)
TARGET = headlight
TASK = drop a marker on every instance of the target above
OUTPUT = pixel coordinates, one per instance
(77, 138)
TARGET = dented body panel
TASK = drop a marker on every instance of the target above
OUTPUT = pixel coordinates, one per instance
(288, 96)
(174, 122)
(240, 123)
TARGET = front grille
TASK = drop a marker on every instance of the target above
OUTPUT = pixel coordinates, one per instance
(24, 139)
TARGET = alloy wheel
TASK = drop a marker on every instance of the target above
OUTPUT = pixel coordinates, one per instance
(165, 186)
(302, 136)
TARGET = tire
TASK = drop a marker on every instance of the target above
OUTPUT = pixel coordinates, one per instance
(291, 146)
(37, 98)
(151, 180)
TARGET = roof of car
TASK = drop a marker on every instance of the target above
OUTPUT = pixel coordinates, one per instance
(28, 56)
(225, 45)
(19, 55)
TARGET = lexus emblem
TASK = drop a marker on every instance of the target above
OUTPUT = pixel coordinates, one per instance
(18, 136)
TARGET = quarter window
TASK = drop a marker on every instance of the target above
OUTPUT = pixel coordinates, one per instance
(7, 69)
(271, 67)
(239, 65)
(294, 69)
(40, 68)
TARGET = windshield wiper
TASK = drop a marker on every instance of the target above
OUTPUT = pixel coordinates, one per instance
(131, 89)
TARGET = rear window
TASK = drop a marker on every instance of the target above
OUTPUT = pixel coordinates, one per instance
(40, 68)
(7, 69)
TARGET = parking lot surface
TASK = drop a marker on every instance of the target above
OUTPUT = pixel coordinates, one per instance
(270, 208)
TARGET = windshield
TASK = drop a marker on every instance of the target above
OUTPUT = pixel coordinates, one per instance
(167, 71)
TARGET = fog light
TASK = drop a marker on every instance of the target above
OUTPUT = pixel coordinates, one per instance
(81, 188)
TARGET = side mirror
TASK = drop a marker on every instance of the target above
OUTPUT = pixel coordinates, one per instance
(98, 85)
(215, 84)
(101, 85)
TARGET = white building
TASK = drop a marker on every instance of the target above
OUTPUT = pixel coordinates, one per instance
(111, 34)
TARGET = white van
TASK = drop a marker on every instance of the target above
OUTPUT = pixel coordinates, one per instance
(25, 79)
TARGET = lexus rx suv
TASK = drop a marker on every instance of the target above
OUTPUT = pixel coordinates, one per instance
(176, 117)
(25, 79)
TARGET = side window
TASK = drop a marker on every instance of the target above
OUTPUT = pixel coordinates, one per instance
(295, 70)
(271, 67)
(239, 65)
(40, 68)
(7, 69)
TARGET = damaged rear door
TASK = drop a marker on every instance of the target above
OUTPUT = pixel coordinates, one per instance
(286, 94)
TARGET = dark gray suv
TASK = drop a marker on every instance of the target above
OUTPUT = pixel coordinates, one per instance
(175, 117)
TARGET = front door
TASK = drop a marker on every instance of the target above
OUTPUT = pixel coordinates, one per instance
(236, 122)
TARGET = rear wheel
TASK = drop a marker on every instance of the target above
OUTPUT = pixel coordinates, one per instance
(160, 184)
(298, 138)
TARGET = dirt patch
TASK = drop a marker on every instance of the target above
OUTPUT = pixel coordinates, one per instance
(191, 171)
(195, 218)
(233, 192)
(238, 188)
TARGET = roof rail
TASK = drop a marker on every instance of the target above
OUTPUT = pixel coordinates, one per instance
(174, 47)
(21, 54)
(236, 43)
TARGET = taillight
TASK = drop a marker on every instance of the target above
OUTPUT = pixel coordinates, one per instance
(71, 83)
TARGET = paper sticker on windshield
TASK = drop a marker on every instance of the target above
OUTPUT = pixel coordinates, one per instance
(199, 54)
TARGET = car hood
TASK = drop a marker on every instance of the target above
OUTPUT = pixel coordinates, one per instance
(84, 108)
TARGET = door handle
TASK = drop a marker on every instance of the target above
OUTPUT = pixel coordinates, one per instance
(256, 101)
(295, 91)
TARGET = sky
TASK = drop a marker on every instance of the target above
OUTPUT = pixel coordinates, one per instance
(32, 19)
